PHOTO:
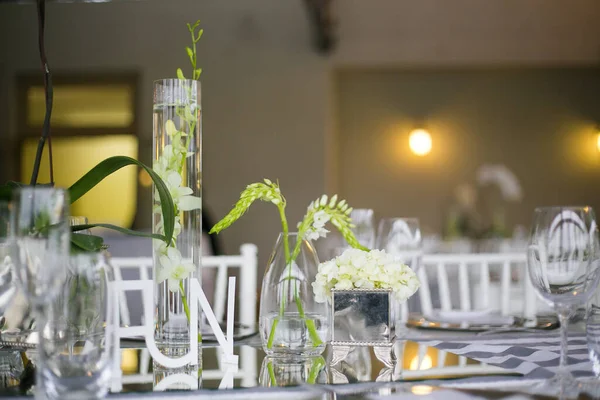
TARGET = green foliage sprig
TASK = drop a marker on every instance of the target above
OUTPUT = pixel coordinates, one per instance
(191, 52)
(267, 191)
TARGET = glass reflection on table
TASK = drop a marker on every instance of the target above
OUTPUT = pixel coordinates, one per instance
(415, 362)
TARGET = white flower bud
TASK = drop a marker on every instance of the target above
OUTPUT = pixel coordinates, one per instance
(348, 211)
(333, 200)
(170, 128)
(344, 207)
(275, 201)
(268, 182)
(323, 200)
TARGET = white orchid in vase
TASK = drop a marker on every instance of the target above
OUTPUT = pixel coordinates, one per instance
(312, 227)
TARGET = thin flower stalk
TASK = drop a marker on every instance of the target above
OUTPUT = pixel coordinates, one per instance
(170, 167)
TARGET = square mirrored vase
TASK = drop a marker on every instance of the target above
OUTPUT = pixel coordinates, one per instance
(363, 317)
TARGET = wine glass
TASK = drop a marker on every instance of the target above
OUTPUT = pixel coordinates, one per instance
(401, 237)
(563, 267)
(364, 226)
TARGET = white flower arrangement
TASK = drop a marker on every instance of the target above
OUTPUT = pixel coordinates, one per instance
(359, 269)
(312, 227)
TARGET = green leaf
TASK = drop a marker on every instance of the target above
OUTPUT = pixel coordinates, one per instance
(197, 73)
(42, 221)
(180, 74)
(112, 164)
(77, 228)
(6, 192)
(190, 53)
(83, 242)
(7, 189)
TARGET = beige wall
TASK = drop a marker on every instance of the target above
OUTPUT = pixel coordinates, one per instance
(267, 98)
(541, 123)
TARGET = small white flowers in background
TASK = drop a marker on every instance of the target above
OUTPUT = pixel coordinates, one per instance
(358, 269)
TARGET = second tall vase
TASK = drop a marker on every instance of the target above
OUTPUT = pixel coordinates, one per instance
(177, 155)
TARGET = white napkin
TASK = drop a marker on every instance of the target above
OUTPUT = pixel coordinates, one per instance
(474, 317)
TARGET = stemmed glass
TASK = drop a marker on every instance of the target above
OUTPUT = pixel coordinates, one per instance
(401, 237)
(563, 267)
(364, 226)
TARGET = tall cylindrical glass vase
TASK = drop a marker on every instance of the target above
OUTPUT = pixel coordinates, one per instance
(177, 153)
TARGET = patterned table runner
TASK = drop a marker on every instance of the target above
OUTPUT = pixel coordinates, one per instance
(534, 357)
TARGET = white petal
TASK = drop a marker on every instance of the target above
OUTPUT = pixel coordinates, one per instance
(189, 203)
(174, 255)
(170, 128)
(174, 179)
(189, 268)
(174, 285)
(184, 191)
(165, 262)
(162, 274)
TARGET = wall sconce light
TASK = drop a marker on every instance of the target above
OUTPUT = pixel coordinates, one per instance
(420, 142)
(598, 141)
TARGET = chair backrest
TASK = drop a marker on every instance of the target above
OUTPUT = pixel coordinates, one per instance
(476, 281)
(246, 262)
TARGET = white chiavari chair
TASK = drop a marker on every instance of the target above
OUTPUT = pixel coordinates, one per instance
(472, 282)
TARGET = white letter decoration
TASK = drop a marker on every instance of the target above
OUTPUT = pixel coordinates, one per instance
(146, 330)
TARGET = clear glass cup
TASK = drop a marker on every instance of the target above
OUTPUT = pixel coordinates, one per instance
(364, 226)
(40, 233)
(16, 319)
(77, 339)
(564, 269)
(401, 237)
(40, 240)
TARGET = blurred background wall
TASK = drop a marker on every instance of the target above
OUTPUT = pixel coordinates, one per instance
(274, 107)
(539, 122)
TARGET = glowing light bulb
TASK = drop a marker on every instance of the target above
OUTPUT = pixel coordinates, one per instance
(420, 142)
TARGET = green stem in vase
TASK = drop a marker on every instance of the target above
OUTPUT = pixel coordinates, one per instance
(315, 368)
(271, 373)
(185, 306)
(310, 324)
